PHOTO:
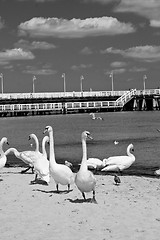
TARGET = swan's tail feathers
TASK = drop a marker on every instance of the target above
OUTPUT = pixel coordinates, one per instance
(46, 178)
(110, 168)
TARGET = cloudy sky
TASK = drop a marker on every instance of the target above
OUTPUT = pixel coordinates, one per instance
(89, 38)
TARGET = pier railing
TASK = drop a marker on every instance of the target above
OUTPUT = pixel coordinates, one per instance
(126, 97)
(61, 94)
(44, 95)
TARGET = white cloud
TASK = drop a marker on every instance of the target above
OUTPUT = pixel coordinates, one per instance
(86, 51)
(119, 70)
(146, 53)
(15, 54)
(81, 66)
(24, 44)
(38, 1)
(44, 70)
(155, 23)
(101, 1)
(118, 64)
(138, 69)
(74, 28)
(150, 9)
(40, 71)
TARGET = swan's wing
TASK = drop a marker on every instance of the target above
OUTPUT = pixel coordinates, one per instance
(41, 165)
(29, 156)
(111, 168)
(94, 161)
(117, 160)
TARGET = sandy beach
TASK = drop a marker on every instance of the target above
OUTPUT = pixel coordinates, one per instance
(128, 211)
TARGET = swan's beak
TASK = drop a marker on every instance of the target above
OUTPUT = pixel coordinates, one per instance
(90, 137)
(45, 130)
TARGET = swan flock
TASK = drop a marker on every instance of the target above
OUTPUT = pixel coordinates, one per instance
(45, 166)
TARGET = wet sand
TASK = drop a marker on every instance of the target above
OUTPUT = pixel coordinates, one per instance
(35, 211)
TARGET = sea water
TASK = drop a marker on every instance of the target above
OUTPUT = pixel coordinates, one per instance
(138, 128)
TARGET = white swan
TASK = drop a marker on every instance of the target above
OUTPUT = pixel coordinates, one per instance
(35, 159)
(26, 156)
(95, 163)
(61, 173)
(85, 179)
(94, 116)
(120, 163)
(3, 157)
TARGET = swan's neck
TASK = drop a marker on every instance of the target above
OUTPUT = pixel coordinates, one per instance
(84, 156)
(129, 153)
(36, 142)
(1, 147)
(43, 148)
(14, 150)
(51, 149)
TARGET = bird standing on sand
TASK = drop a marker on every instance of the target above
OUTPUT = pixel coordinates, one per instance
(61, 173)
(85, 179)
(117, 179)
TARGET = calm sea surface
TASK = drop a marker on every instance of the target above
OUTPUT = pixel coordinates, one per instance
(138, 128)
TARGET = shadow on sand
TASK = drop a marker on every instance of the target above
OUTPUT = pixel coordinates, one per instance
(54, 192)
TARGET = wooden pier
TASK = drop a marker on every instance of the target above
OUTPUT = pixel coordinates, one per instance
(25, 104)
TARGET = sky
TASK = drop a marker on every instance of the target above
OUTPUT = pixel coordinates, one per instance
(47, 39)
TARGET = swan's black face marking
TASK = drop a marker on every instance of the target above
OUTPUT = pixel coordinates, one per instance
(88, 135)
(132, 148)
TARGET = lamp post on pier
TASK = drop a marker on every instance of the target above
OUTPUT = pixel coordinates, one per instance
(81, 83)
(1, 76)
(34, 78)
(144, 82)
(64, 82)
(111, 76)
